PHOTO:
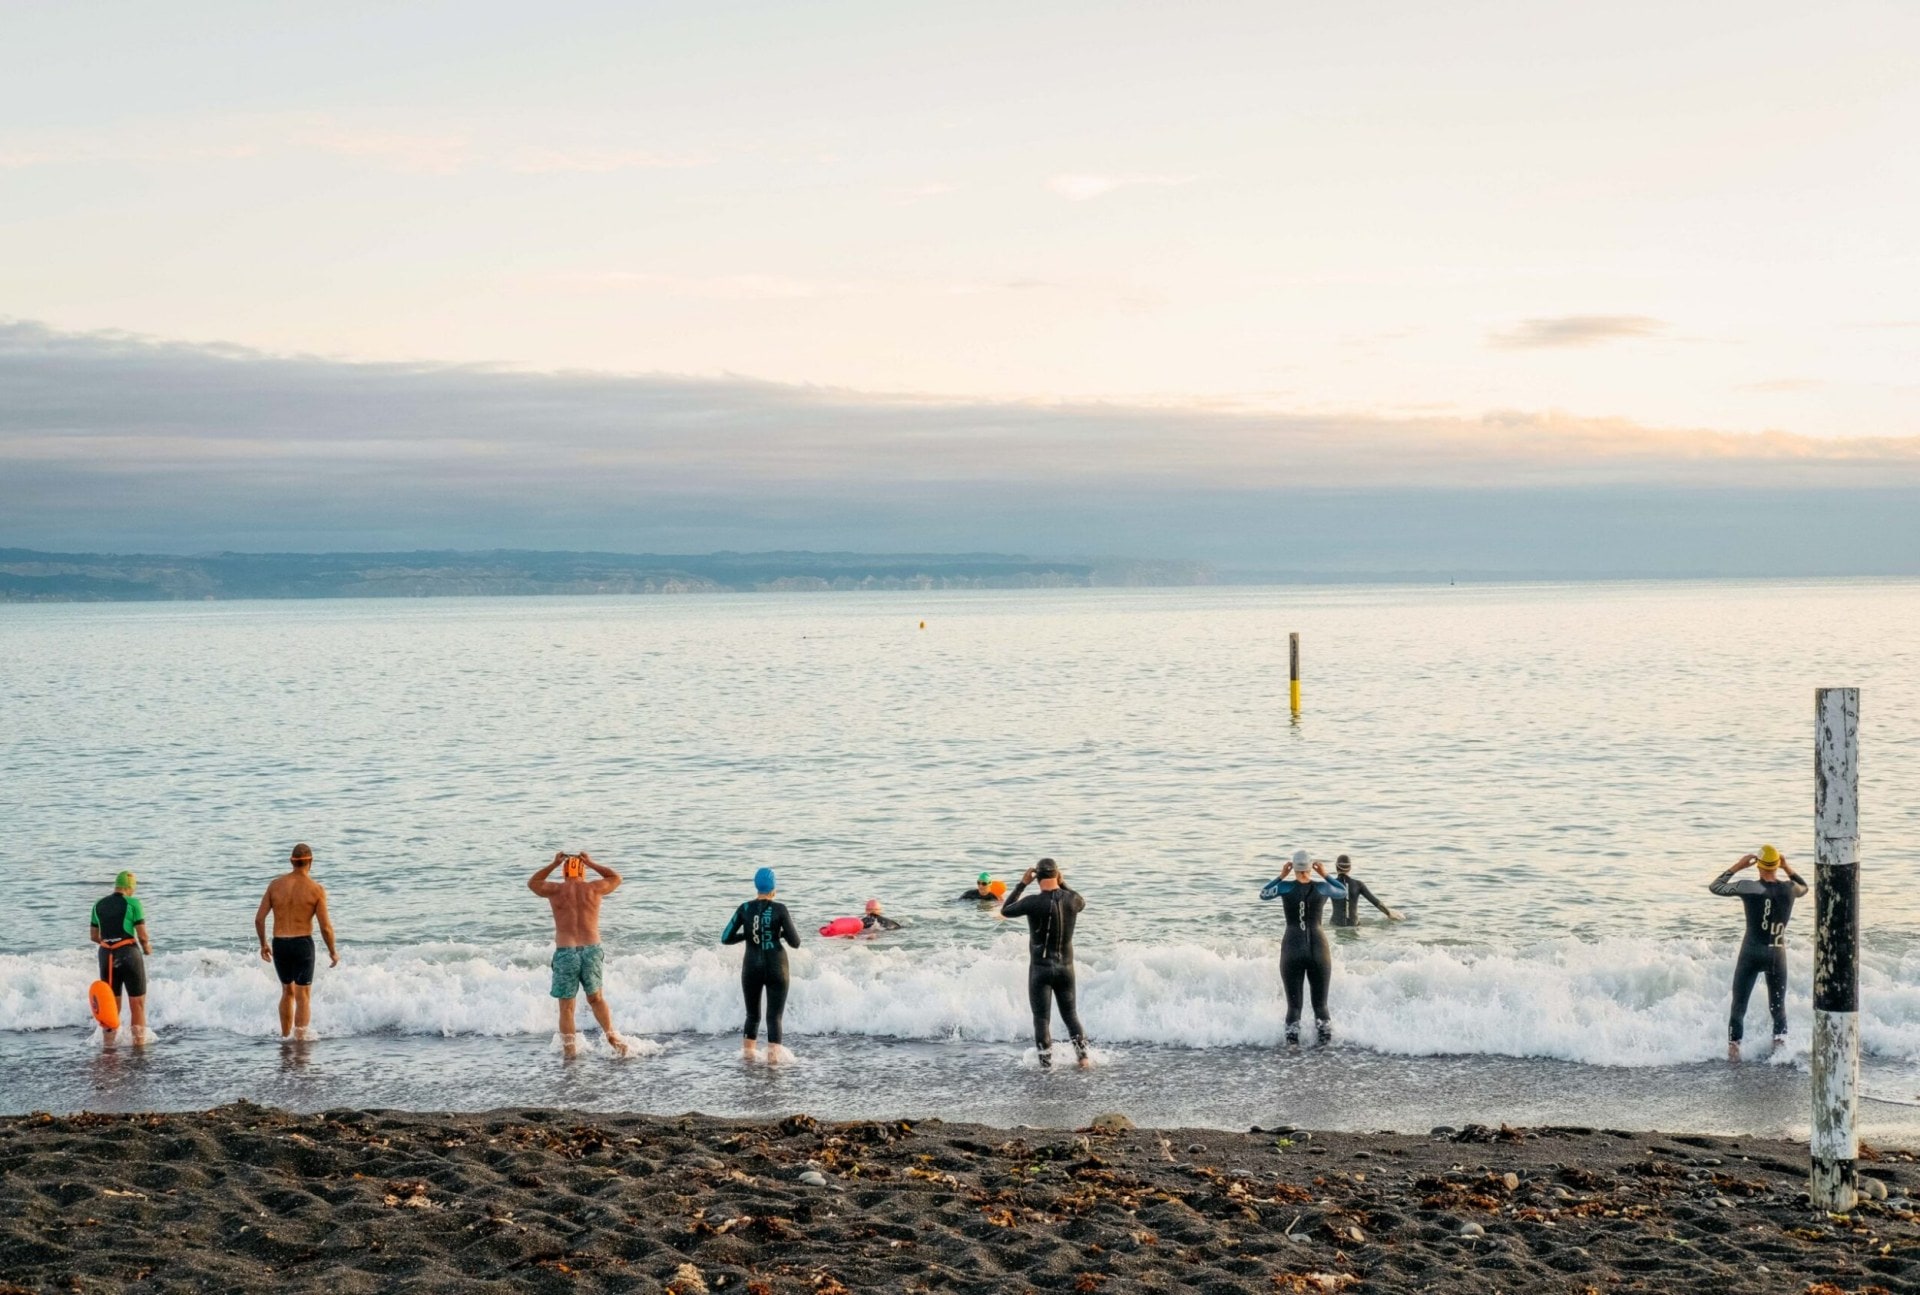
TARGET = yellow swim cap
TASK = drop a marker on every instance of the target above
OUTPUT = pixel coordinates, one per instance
(1769, 857)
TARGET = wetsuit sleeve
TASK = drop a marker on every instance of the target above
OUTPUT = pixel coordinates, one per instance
(736, 932)
(1725, 885)
(93, 916)
(788, 931)
(1276, 888)
(1014, 905)
(887, 923)
(1079, 901)
(1799, 888)
(136, 913)
(1332, 889)
(1359, 887)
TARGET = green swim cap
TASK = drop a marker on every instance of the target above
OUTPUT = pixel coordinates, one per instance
(984, 878)
(124, 882)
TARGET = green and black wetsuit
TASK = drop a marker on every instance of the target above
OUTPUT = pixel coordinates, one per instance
(118, 917)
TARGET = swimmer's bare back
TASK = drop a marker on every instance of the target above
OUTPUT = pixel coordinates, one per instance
(295, 900)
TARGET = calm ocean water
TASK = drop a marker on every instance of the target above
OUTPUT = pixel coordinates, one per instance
(1543, 778)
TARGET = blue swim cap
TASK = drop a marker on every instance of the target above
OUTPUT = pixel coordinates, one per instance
(763, 881)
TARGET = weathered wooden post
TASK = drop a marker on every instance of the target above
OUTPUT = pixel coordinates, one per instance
(1836, 947)
(1293, 672)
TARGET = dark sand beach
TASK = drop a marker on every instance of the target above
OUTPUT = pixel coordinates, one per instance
(245, 1198)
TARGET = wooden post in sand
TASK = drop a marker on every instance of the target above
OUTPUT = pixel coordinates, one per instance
(1293, 673)
(1836, 947)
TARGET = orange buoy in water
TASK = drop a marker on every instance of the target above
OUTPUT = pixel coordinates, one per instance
(998, 889)
(105, 1004)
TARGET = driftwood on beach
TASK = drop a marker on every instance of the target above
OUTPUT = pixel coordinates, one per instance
(249, 1199)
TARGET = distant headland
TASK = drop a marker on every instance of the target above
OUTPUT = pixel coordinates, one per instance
(27, 575)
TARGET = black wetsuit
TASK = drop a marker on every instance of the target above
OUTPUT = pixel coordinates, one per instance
(973, 893)
(1763, 951)
(1050, 916)
(872, 920)
(1304, 955)
(761, 924)
(1346, 909)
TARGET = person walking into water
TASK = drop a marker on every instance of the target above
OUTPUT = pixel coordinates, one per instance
(1050, 914)
(578, 961)
(296, 902)
(1763, 950)
(765, 926)
(1346, 910)
(1304, 955)
(118, 925)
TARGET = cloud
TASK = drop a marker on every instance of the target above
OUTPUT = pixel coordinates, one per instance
(113, 440)
(1081, 187)
(921, 192)
(421, 152)
(1573, 330)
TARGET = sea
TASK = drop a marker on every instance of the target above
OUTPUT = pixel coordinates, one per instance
(1542, 778)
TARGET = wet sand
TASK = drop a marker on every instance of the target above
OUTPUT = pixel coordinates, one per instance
(245, 1198)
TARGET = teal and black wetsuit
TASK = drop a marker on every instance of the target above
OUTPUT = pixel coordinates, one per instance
(1304, 955)
(117, 918)
(761, 925)
(1763, 951)
(1050, 917)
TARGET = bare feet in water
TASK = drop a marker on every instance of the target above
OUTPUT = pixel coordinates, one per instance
(777, 1054)
(749, 1050)
(1733, 1052)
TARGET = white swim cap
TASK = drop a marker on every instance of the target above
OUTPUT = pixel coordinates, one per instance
(1300, 859)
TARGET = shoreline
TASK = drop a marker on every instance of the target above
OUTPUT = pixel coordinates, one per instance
(245, 1198)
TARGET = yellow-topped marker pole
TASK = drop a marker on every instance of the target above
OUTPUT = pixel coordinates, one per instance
(1293, 672)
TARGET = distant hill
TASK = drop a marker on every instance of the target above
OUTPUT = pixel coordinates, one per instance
(30, 576)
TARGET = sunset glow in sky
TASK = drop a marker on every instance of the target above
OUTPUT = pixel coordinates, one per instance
(1649, 220)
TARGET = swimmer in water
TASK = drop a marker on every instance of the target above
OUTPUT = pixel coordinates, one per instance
(118, 924)
(578, 960)
(297, 903)
(1050, 916)
(1304, 890)
(1763, 950)
(876, 918)
(762, 924)
(1346, 911)
(981, 892)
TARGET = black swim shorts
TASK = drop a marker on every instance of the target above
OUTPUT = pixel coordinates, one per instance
(293, 959)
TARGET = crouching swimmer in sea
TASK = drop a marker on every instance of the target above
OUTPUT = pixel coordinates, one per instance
(1050, 914)
(1303, 889)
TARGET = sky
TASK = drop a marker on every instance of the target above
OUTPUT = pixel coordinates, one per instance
(942, 266)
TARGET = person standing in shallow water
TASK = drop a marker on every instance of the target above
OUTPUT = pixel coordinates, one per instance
(765, 926)
(296, 902)
(1346, 910)
(578, 960)
(1763, 950)
(118, 924)
(1050, 917)
(1303, 889)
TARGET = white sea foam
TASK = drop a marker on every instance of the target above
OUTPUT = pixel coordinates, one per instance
(1622, 1002)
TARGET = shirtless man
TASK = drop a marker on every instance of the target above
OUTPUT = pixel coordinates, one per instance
(578, 962)
(296, 901)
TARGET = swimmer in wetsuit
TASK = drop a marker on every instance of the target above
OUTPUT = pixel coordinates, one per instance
(1050, 915)
(118, 924)
(1763, 951)
(981, 891)
(761, 924)
(1346, 911)
(876, 918)
(1304, 890)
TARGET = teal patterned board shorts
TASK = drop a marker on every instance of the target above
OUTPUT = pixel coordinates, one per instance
(580, 967)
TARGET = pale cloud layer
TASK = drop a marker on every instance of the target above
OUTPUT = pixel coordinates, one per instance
(1305, 208)
(121, 442)
(1574, 330)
